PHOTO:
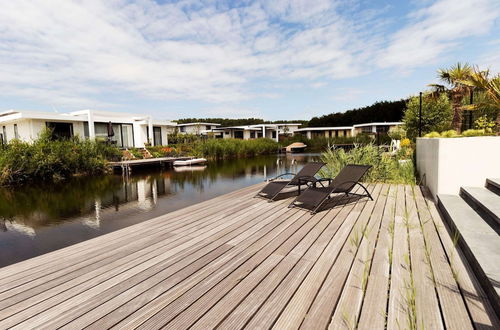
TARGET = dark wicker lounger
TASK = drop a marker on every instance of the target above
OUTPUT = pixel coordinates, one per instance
(314, 197)
(273, 188)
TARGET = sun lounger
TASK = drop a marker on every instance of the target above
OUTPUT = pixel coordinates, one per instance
(275, 186)
(314, 197)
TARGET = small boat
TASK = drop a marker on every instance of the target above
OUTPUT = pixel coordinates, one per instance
(296, 147)
(189, 162)
(195, 168)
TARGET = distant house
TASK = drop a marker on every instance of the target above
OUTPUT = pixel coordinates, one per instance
(347, 131)
(130, 130)
(329, 132)
(248, 132)
(196, 128)
(374, 128)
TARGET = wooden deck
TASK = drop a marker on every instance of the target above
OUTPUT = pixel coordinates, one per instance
(236, 262)
(127, 165)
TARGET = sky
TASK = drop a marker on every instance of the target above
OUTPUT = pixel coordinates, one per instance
(279, 59)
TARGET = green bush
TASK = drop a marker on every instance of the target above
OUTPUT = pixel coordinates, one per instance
(449, 134)
(48, 159)
(477, 132)
(436, 115)
(235, 148)
(385, 167)
(432, 135)
(468, 133)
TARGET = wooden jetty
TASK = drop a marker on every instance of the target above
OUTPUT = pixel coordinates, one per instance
(125, 166)
(238, 262)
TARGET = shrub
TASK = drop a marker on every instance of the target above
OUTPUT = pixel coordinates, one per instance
(47, 159)
(432, 135)
(436, 115)
(385, 167)
(484, 122)
(397, 133)
(477, 132)
(449, 134)
(235, 148)
(405, 143)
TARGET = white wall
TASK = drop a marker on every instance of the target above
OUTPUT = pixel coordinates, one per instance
(446, 164)
(194, 129)
(30, 129)
(164, 135)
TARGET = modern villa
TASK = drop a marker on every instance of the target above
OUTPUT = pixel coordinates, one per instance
(348, 131)
(196, 128)
(137, 130)
(130, 130)
(248, 132)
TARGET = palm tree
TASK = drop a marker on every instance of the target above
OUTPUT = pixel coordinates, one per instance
(481, 80)
(454, 78)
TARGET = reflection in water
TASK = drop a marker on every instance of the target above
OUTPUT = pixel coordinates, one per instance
(37, 219)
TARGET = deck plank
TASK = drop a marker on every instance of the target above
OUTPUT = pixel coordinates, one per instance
(427, 314)
(397, 311)
(240, 262)
(296, 310)
(451, 302)
(348, 308)
(341, 283)
(374, 309)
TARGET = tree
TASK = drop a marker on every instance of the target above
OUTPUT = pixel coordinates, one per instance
(455, 87)
(481, 80)
(436, 114)
(378, 112)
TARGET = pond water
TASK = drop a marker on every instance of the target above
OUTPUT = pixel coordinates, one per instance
(37, 219)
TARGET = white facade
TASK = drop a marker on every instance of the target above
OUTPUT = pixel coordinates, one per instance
(446, 164)
(329, 132)
(347, 131)
(248, 132)
(131, 130)
(196, 128)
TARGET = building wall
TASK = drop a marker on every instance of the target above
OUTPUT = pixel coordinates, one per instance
(164, 135)
(445, 165)
(195, 129)
(30, 129)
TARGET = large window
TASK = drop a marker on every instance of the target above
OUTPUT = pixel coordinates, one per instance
(157, 136)
(382, 129)
(123, 133)
(60, 130)
(366, 129)
(238, 134)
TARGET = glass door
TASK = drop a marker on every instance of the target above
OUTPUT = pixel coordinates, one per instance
(157, 136)
(127, 136)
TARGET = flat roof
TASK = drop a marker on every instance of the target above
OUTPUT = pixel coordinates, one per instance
(80, 116)
(199, 123)
(336, 128)
(379, 124)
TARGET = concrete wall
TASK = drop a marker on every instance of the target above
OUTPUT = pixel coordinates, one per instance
(446, 164)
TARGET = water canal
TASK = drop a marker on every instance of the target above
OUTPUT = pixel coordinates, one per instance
(36, 219)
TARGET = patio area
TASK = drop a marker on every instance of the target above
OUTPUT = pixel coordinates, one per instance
(240, 262)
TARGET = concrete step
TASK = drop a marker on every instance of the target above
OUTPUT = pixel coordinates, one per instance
(479, 242)
(485, 202)
(493, 185)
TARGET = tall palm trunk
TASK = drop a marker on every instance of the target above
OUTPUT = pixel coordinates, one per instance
(456, 103)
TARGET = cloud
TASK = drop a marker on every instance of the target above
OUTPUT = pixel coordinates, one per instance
(434, 30)
(68, 52)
